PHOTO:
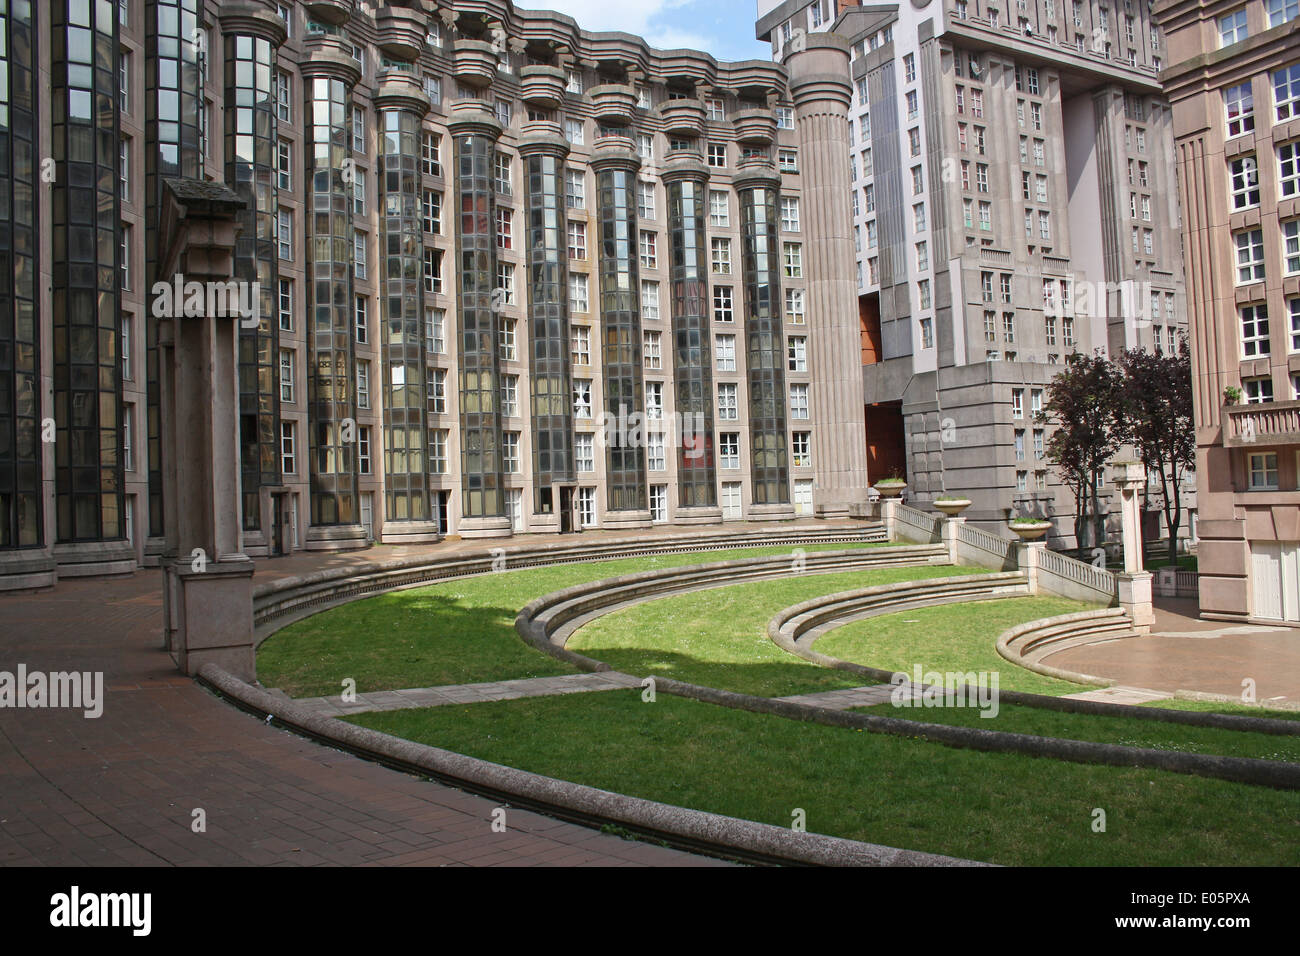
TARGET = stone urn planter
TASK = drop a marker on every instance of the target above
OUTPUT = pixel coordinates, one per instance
(952, 507)
(890, 488)
(1029, 529)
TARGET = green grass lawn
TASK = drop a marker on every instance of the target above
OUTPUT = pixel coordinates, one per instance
(951, 637)
(718, 637)
(1214, 707)
(456, 632)
(1125, 731)
(1186, 562)
(1002, 808)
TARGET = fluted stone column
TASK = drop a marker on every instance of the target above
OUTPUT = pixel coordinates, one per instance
(474, 133)
(550, 373)
(819, 83)
(407, 516)
(686, 184)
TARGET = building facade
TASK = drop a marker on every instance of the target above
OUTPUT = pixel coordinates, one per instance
(497, 275)
(1234, 83)
(1012, 203)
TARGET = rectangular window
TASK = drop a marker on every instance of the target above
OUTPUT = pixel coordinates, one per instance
(438, 451)
(799, 402)
(645, 200)
(1288, 158)
(1263, 472)
(717, 155)
(722, 304)
(358, 130)
(430, 153)
(578, 301)
(727, 407)
(1291, 245)
(652, 349)
(501, 173)
(797, 353)
(577, 236)
(725, 352)
(794, 305)
(507, 340)
(729, 449)
(1282, 11)
(363, 384)
(790, 213)
(433, 270)
(788, 160)
(510, 452)
(1250, 255)
(581, 351)
(437, 381)
(584, 451)
(573, 131)
(284, 96)
(654, 400)
(359, 254)
(792, 257)
(1258, 390)
(1254, 331)
(363, 449)
(801, 443)
(720, 256)
(575, 189)
(649, 301)
(286, 375)
(587, 507)
(1239, 103)
(1017, 403)
(1243, 174)
(284, 233)
(659, 503)
(510, 396)
(435, 324)
(431, 205)
(655, 459)
(582, 397)
(719, 211)
(288, 458)
(649, 250)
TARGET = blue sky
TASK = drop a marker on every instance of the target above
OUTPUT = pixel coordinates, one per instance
(724, 28)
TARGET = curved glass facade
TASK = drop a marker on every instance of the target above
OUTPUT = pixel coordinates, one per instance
(480, 368)
(764, 345)
(173, 112)
(250, 161)
(86, 273)
(406, 485)
(620, 317)
(692, 355)
(331, 379)
(21, 524)
(548, 325)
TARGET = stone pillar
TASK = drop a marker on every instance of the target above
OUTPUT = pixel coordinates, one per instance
(208, 590)
(888, 514)
(1027, 555)
(819, 83)
(949, 529)
(1134, 582)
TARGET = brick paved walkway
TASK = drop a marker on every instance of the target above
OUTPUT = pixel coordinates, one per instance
(121, 789)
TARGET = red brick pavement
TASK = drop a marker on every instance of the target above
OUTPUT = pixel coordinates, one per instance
(122, 788)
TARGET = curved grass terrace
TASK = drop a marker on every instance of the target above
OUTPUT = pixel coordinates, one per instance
(898, 791)
(455, 632)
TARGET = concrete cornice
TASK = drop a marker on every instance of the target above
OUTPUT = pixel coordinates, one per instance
(247, 19)
(470, 118)
(330, 63)
(615, 157)
(1256, 54)
(538, 143)
(684, 167)
(401, 91)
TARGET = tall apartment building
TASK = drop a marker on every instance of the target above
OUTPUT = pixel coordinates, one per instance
(474, 231)
(1012, 203)
(1234, 85)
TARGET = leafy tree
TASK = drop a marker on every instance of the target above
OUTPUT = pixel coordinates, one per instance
(1155, 416)
(1083, 402)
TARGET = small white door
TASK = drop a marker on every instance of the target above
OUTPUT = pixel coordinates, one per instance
(128, 516)
(368, 513)
(731, 507)
(515, 502)
(803, 498)
(1266, 580)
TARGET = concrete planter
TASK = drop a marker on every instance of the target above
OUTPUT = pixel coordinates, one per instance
(952, 507)
(890, 489)
(1031, 531)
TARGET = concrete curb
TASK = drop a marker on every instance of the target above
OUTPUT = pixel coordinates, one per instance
(776, 632)
(695, 830)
